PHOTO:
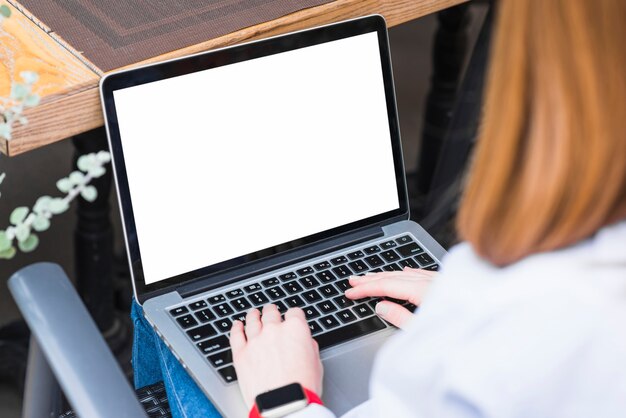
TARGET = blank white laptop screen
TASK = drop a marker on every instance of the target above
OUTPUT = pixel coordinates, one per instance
(232, 160)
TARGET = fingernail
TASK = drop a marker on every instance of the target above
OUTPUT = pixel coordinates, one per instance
(354, 277)
(349, 291)
(382, 309)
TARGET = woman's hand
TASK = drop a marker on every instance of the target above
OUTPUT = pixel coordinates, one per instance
(408, 284)
(271, 353)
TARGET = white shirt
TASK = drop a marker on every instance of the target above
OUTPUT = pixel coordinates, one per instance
(544, 337)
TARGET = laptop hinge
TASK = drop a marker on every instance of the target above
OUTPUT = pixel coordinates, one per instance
(277, 262)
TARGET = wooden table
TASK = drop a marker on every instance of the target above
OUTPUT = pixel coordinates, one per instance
(68, 85)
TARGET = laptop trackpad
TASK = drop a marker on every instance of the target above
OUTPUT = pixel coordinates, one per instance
(347, 375)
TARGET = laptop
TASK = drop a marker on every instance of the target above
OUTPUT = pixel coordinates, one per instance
(267, 172)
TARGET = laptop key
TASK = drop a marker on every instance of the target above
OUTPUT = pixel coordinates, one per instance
(326, 307)
(287, 276)
(228, 374)
(363, 310)
(404, 240)
(358, 266)
(355, 254)
(309, 282)
(329, 322)
(311, 296)
(205, 315)
(187, 321)
(241, 316)
(198, 305)
(434, 267)
(388, 244)
(390, 255)
(339, 260)
(424, 259)
(310, 312)
(294, 301)
(292, 287)
(315, 327)
(328, 290)
(223, 309)
(221, 359)
(409, 262)
(409, 250)
(343, 285)
(213, 345)
(270, 282)
(223, 324)
(305, 271)
(343, 302)
(345, 316)
(342, 271)
(251, 288)
(322, 266)
(281, 307)
(326, 276)
(202, 333)
(179, 311)
(392, 267)
(410, 306)
(372, 249)
(373, 302)
(241, 304)
(216, 299)
(235, 293)
(275, 293)
(258, 298)
(348, 332)
(374, 261)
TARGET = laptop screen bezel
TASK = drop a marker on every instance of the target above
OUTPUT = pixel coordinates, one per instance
(227, 56)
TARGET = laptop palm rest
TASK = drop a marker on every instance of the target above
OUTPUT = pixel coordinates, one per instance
(347, 372)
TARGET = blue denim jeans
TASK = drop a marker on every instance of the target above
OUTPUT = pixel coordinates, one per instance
(153, 362)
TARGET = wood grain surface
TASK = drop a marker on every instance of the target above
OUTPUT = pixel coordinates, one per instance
(69, 83)
(26, 46)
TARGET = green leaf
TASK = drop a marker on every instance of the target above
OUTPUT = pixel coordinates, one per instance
(31, 100)
(29, 77)
(5, 11)
(8, 254)
(58, 205)
(103, 156)
(22, 231)
(76, 177)
(29, 244)
(19, 91)
(42, 204)
(64, 185)
(86, 162)
(5, 130)
(18, 215)
(97, 171)
(89, 193)
(5, 242)
(41, 223)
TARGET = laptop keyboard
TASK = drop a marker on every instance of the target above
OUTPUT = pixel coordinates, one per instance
(318, 289)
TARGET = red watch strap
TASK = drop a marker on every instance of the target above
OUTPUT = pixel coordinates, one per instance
(310, 396)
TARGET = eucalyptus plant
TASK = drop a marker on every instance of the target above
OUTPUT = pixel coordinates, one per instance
(25, 221)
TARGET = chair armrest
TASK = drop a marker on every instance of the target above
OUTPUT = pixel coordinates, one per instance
(74, 348)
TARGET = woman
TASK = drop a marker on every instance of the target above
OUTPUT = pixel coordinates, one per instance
(528, 316)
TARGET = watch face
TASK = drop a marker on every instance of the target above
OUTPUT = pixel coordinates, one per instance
(281, 396)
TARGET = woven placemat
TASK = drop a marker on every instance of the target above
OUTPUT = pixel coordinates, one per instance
(115, 33)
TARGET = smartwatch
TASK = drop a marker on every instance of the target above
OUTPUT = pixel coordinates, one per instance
(283, 401)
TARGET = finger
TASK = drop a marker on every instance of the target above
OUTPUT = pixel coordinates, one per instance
(295, 313)
(394, 287)
(393, 313)
(271, 314)
(406, 273)
(253, 323)
(237, 337)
